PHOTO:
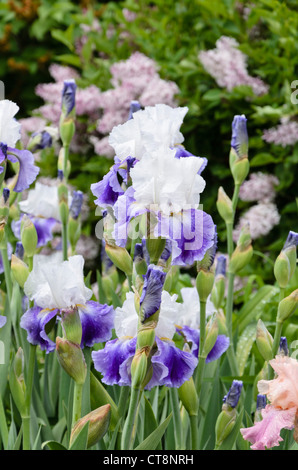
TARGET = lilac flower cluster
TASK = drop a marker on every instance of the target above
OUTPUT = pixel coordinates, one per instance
(285, 134)
(136, 78)
(264, 215)
(228, 66)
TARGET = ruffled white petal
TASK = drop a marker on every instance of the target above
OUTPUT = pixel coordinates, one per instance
(9, 127)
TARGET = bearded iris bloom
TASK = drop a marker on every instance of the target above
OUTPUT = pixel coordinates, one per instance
(170, 365)
(57, 287)
(9, 135)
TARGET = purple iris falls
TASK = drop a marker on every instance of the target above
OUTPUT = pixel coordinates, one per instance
(108, 189)
(192, 234)
(97, 323)
(27, 170)
(170, 366)
(192, 336)
(151, 294)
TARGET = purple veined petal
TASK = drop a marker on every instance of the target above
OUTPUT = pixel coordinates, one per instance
(43, 227)
(34, 322)
(192, 234)
(97, 322)
(125, 167)
(68, 95)
(113, 361)
(2, 321)
(108, 189)
(239, 140)
(9, 253)
(192, 336)
(27, 171)
(152, 289)
(180, 364)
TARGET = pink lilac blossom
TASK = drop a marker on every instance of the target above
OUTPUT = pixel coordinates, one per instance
(261, 217)
(259, 187)
(134, 79)
(286, 133)
(281, 413)
(228, 66)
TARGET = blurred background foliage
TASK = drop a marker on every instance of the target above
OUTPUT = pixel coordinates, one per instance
(37, 33)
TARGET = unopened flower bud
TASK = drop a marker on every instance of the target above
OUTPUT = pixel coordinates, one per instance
(204, 284)
(224, 206)
(63, 202)
(283, 347)
(261, 404)
(71, 325)
(19, 269)
(287, 306)
(285, 263)
(264, 341)
(211, 335)
(99, 421)
(189, 397)
(61, 158)
(120, 257)
(155, 248)
(243, 251)
(139, 259)
(28, 236)
(224, 424)
(139, 368)
(239, 163)
(67, 124)
(17, 381)
(71, 359)
(231, 399)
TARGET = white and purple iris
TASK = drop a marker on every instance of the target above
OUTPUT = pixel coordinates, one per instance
(42, 207)
(171, 366)
(9, 135)
(162, 181)
(57, 286)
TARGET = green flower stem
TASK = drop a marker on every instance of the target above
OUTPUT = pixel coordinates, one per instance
(194, 432)
(126, 441)
(26, 419)
(65, 241)
(202, 357)
(276, 341)
(77, 403)
(229, 313)
(235, 197)
(174, 399)
(3, 424)
(122, 405)
(65, 161)
(6, 266)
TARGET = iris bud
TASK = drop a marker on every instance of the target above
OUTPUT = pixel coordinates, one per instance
(120, 257)
(17, 381)
(189, 397)
(139, 368)
(71, 359)
(287, 306)
(19, 269)
(99, 421)
(224, 206)
(264, 341)
(28, 236)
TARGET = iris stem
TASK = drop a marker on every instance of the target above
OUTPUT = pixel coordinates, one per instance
(127, 441)
(65, 241)
(77, 403)
(6, 266)
(202, 357)
(194, 431)
(29, 386)
(65, 161)
(276, 341)
(176, 419)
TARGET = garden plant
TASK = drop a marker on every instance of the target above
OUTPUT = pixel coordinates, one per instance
(148, 226)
